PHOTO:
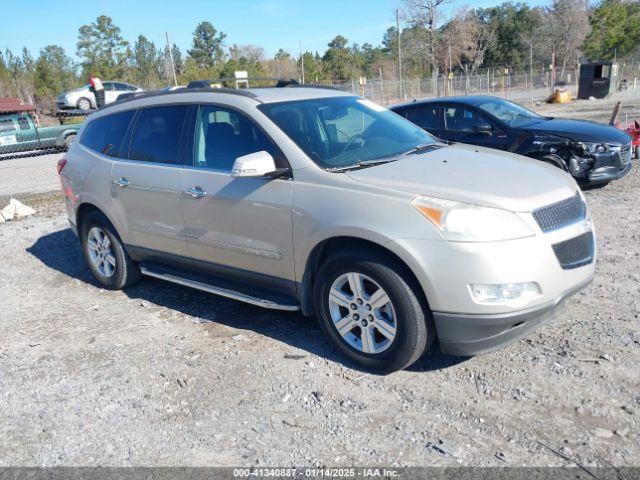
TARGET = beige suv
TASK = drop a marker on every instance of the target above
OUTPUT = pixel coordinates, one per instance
(316, 200)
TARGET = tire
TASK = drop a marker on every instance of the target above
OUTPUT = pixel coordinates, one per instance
(638, 152)
(554, 161)
(107, 259)
(69, 140)
(84, 103)
(383, 350)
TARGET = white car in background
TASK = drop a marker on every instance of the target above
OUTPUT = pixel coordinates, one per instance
(84, 99)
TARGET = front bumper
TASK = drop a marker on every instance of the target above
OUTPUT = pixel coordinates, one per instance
(468, 335)
(445, 271)
(64, 104)
(607, 173)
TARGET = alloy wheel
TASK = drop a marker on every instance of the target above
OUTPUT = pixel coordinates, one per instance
(362, 313)
(100, 253)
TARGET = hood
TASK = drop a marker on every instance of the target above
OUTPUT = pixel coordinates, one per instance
(580, 130)
(475, 175)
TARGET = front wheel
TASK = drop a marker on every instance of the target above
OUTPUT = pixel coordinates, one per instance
(370, 308)
(105, 254)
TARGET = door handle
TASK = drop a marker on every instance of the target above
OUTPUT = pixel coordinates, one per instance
(195, 192)
(121, 182)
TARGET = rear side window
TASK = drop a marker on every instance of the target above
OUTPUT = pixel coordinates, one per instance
(24, 123)
(460, 119)
(124, 87)
(7, 125)
(104, 135)
(425, 117)
(156, 135)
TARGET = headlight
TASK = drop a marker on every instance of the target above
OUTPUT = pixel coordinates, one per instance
(589, 147)
(464, 222)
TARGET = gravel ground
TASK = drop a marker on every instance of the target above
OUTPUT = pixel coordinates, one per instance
(164, 375)
(28, 175)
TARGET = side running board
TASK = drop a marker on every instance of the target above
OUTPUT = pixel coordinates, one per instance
(217, 290)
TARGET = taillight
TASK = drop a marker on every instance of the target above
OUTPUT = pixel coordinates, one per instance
(61, 164)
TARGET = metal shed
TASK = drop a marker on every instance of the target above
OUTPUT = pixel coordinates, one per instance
(597, 79)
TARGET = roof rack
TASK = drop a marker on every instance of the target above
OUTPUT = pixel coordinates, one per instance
(206, 86)
(158, 93)
(279, 82)
(314, 85)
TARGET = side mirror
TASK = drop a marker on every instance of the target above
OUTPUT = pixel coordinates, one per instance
(484, 128)
(254, 165)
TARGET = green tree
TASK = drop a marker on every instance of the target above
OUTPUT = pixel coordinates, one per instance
(390, 43)
(102, 49)
(615, 30)
(4, 76)
(178, 61)
(207, 47)
(337, 59)
(313, 68)
(511, 24)
(54, 72)
(146, 62)
(28, 62)
(249, 58)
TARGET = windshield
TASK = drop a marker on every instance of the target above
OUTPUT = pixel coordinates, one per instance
(338, 132)
(510, 113)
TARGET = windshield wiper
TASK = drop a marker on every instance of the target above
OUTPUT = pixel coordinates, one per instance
(363, 164)
(422, 148)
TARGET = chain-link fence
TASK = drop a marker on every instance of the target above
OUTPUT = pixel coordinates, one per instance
(24, 131)
(522, 87)
(33, 128)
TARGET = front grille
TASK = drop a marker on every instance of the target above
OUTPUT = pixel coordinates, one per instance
(625, 154)
(561, 214)
(575, 252)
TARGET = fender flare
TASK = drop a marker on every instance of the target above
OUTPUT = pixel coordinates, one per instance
(62, 136)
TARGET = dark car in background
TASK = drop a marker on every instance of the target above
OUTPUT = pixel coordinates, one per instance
(594, 154)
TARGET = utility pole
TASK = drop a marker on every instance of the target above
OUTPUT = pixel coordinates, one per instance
(449, 80)
(531, 69)
(399, 53)
(382, 86)
(173, 67)
(302, 62)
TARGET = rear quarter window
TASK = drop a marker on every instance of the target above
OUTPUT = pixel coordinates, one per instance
(104, 135)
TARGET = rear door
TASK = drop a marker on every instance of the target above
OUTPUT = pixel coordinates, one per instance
(240, 227)
(464, 124)
(146, 182)
(110, 92)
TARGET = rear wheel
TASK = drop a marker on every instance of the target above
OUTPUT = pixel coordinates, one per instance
(369, 307)
(638, 152)
(69, 140)
(84, 104)
(105, 254)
